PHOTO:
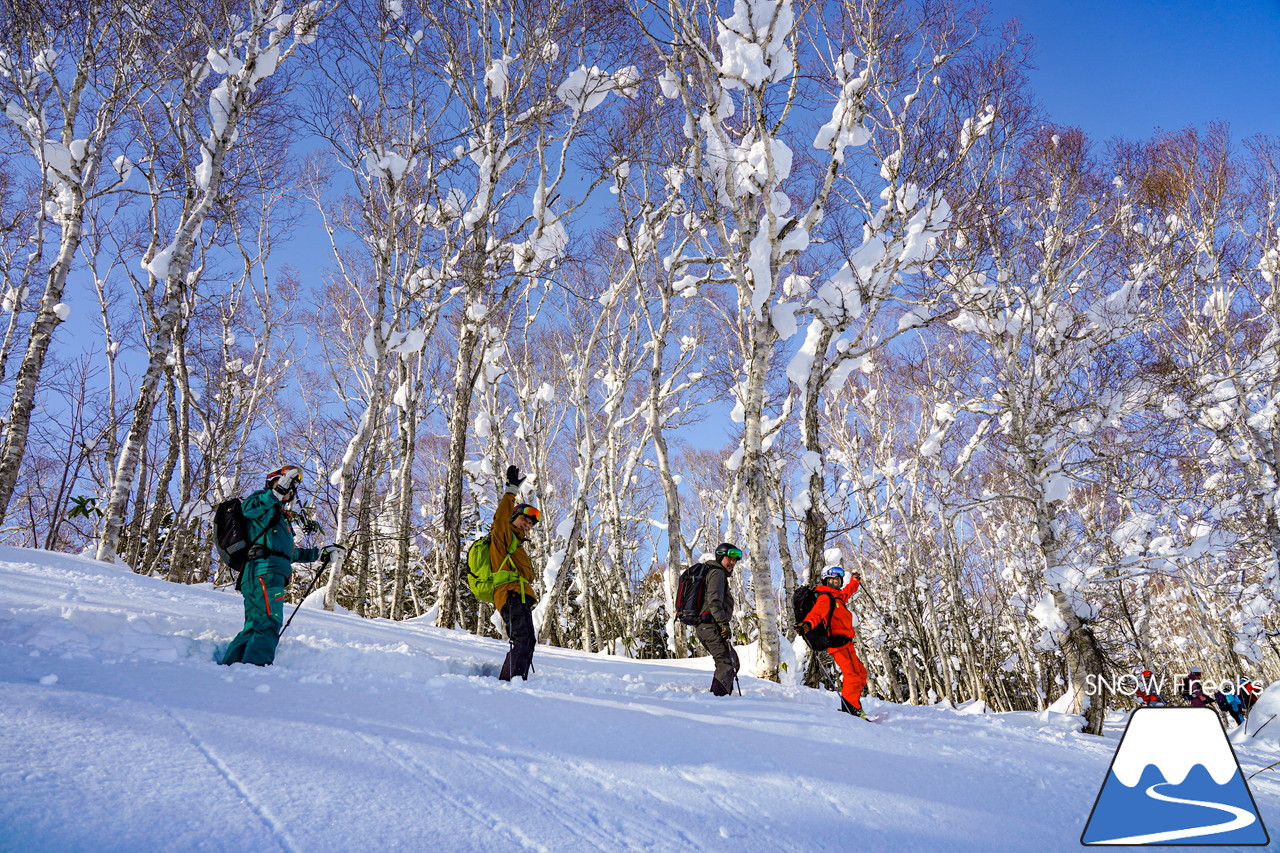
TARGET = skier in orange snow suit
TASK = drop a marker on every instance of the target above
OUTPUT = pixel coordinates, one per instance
(831, 608)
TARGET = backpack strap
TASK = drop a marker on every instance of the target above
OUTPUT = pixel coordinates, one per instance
(831, 608)
(276, 515)
(515, 543)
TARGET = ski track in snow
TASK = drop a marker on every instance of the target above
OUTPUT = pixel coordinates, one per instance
(458, 798)
(374, 735)
(276, 828)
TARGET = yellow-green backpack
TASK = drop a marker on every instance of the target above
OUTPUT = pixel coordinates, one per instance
(481, 577)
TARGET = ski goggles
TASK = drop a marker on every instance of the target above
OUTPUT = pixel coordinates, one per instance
(732, 553)
(530, 512)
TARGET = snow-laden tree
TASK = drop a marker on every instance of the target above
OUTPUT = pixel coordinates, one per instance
(230, 372)
(376, 193)
(239, 54)
(572, 382)
(71, 72)
(228, 364)
(885, 515)
(766, 178)
(924, 103)
(479, 106)
(736, 79)
(680, 338)
(21, 208)
(1219, 348)
(1053, 320)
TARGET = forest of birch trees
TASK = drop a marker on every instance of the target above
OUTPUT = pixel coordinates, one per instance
(816, 278)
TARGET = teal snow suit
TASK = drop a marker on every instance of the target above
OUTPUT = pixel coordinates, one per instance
(264, 579)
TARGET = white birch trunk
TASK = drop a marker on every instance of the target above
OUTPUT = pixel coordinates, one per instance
(228, 107)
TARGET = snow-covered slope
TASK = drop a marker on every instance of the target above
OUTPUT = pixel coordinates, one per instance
(121, 733)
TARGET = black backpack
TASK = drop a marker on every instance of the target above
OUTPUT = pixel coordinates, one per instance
(802, 601)
(693, 584)
(231, 535)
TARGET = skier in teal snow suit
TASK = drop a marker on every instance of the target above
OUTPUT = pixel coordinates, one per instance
(269, 567)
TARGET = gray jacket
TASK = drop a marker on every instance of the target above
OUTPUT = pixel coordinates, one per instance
(717, 600)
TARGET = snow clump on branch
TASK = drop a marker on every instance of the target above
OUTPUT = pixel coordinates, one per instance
(845, 129)
(586, 88)
(753, 43)
(497, 76)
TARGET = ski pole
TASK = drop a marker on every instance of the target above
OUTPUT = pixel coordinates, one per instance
(737, 664)
(310, 587)
(304, 598)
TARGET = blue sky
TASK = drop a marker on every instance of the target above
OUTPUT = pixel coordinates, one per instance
(1126, 67)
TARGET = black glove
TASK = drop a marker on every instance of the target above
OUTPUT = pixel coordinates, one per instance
(513, 476)
(724, 631)
(329, 551)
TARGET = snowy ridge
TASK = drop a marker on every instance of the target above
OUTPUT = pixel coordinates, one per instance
(1174, 743)
(121, 733)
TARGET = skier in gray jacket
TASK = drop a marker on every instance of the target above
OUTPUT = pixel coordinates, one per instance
(717, 609)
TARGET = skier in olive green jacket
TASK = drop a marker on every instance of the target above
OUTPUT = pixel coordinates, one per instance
(269, 567)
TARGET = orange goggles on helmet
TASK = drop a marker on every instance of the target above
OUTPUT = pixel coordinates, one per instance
(531, 512)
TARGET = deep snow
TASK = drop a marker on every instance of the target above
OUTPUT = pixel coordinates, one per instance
(121, 733)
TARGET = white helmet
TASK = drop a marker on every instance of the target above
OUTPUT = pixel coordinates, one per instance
(285, 480)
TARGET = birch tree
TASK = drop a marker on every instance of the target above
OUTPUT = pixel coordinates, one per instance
(925, 102)
(70, 72)
(737, 80)
(241, 59)
(388, 256)
(1052, 317)
(515, 107)
(1216, 209)
(681, 338)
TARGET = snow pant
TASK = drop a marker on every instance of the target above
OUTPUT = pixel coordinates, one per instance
(853, 673)
(517, 616)
(263, 617)
(722, 653)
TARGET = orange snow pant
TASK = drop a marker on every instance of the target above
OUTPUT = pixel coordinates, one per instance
(854, 674)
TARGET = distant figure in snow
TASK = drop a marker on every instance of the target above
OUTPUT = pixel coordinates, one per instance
(1197, 698)
(1248, 692)
(512, 524)
(1192, 690)
(1187, 682)
(269, 566)
(717, 610)
(1145, 694)
(1230, 705)
(831, 608)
